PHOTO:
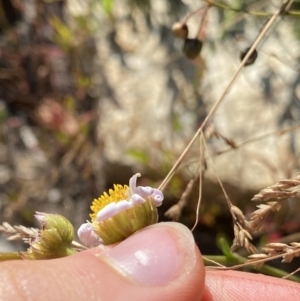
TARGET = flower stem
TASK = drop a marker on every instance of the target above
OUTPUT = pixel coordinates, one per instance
(222, 5)
(70, 251)
(10, 256)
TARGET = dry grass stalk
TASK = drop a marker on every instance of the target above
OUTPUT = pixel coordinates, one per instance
(18, 232)
(242, 230)
(291, 274)
(202, 169)
(175, 211)
(241, 225)
(234, 146)
(257, 218)
(257, 260)
(282, 190)
(213, 262)
(275, 250)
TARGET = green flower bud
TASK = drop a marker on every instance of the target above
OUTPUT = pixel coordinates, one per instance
(54, 239)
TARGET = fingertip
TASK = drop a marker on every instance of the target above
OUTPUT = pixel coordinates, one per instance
(157, 255)
(161, 259)
(234, 286)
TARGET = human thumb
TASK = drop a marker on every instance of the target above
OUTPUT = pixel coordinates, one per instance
(158, 263)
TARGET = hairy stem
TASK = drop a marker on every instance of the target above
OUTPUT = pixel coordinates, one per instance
(10, 256)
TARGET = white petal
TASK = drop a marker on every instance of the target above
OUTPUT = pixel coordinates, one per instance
(112, 209)
(136, 199)
(132, 183)
(157, 197)
(40, 216)
(87, 236)
(144, 191)
(124, 205)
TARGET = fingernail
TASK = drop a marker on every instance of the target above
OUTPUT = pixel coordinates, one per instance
(156, 255)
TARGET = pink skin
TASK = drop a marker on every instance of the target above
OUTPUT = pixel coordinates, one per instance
(138, 269)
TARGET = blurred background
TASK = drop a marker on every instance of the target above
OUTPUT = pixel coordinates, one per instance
(94, 91)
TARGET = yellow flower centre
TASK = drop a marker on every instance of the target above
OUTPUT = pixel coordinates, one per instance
(117, 194)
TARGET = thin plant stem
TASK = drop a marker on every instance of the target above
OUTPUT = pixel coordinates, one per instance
(202, 23)
(193, 13)
(200, 184)
(237, 10)
(218, 178)
(291, 274)
(246, 11)
(236, 259)
(254, 262)
(258, 138)
(10, 256)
